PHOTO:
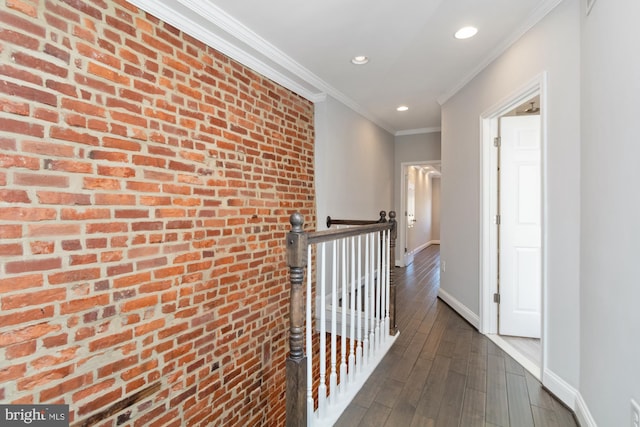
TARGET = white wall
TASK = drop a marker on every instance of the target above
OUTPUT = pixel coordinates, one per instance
(354, 164)
(553, 45)
(610, 228)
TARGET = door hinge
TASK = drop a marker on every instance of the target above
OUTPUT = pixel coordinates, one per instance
(497, 141)
(496, 298)
(497, 219)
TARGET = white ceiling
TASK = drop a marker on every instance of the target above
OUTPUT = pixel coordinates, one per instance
(307, 46)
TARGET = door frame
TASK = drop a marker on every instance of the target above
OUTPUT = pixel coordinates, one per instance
(488, 198)
(401, 217)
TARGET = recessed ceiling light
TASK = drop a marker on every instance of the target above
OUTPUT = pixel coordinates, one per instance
(465, 33)
(402, 108)
(359, 60)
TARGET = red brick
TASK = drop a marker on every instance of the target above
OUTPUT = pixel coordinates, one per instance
(69, 166)
(24, 59)
(24, 214)
(121, 144)
(10, 231)
(27, 333)
(63, 88)
(92, 389)
(110, 341)
(132, 280)
(18, 108)
(67, 277)
(123, 172)
(101, 184)
(71, 135)
(36, 180)
(87, 214)
(65, 387)
(115, 199)
(83, 304)
(111, 368)
(48, 149)
(27, 316)
(85, 8)
(55, 341)
(21, 127)
(140, 303)
(58, 53)
(17, 351)
(53, 359)
(45, 114)
(109, 227)
(107, 73)
(99, 402)
(12, 372)
(106, 155)
(83, 259)
(14, 196)
(41, 379)
(11, 249)
(16, 267)
(19, 39)
(41, 248)
(39, 230)
(55, 198)
(11, 302)
(20, 90)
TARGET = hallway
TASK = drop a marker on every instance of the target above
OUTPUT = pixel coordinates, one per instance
(442, 372)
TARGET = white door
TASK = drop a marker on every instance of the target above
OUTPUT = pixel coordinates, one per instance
(410, 212)
(520, 231)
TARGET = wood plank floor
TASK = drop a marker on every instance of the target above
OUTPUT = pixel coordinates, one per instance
(442, 372)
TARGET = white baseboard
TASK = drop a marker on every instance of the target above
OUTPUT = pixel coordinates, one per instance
(582, 413)
(460, 308)
(569, 396)
(425, 245)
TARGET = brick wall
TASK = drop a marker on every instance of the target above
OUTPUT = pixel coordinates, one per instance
(145, 186)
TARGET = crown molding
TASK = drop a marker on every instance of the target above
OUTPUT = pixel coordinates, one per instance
(219, 30)
(185, 19)
(543, 10)
(419, 131)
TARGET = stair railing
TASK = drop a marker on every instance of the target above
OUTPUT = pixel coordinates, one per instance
(355, 279)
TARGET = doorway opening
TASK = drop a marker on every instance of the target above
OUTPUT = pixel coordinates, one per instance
(513, 281)
(419, 220)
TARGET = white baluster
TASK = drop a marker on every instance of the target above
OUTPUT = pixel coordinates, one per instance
(381, 278)
(359, 306)
(322, 388)
(365, 329)
(343, 337)
(333, 376)
(372, 327)
(352, 310)
(390, 265)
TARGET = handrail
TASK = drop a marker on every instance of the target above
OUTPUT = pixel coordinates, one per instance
(297, 242)
(331, 221)
(327, 235)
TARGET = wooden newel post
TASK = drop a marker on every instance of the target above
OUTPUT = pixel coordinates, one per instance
(296, 360)
(393, 327)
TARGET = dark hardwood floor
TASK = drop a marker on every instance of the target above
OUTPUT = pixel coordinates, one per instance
(442, 372)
